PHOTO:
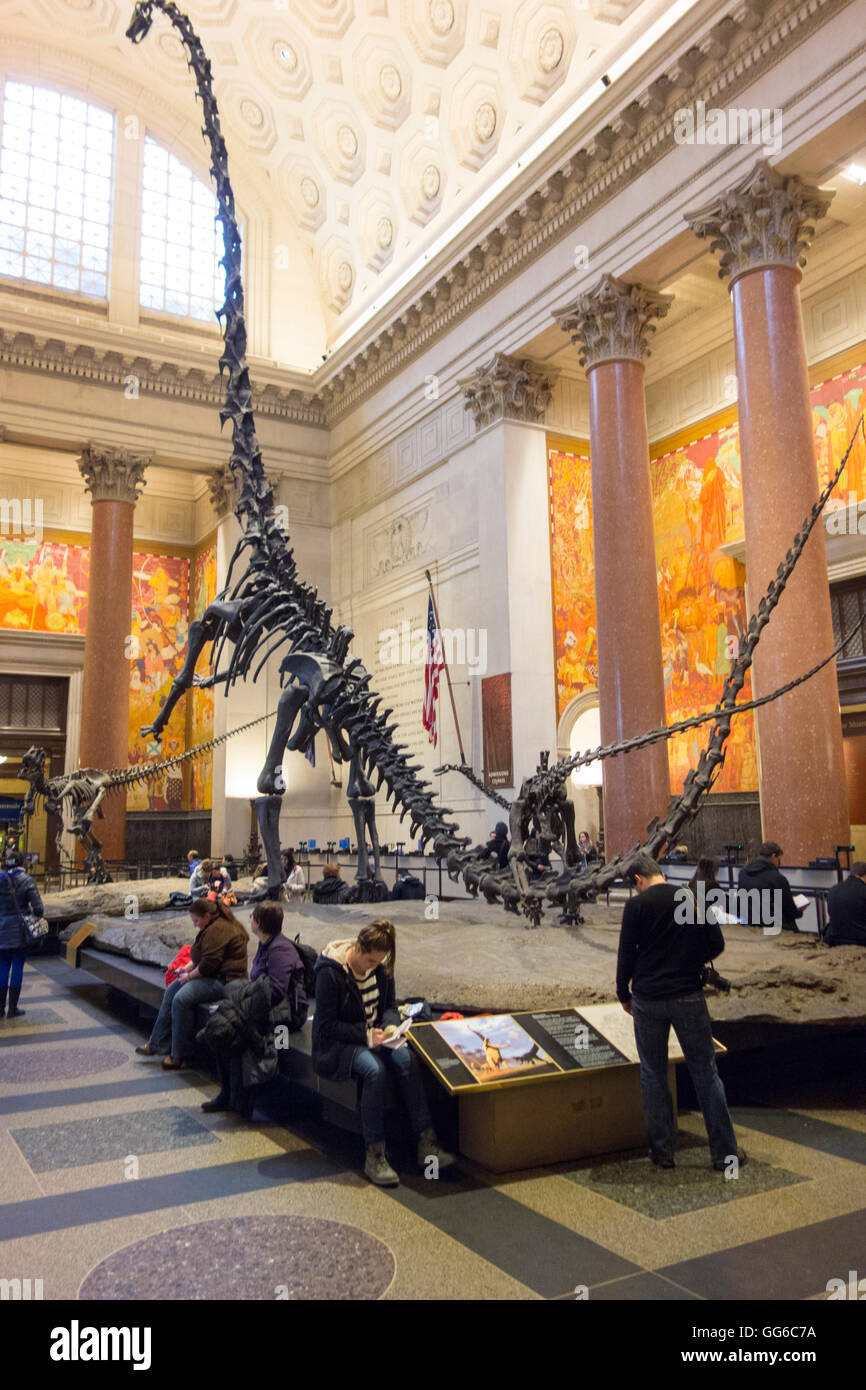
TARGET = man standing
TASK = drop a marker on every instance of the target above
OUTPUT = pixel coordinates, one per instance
(660, 958)
(846, 903)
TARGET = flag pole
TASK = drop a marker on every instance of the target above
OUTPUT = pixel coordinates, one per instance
(447, 672)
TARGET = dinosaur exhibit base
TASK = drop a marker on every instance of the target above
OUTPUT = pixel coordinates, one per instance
(474, 958)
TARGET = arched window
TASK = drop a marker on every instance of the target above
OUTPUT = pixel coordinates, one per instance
(181, 245)
(56, 165)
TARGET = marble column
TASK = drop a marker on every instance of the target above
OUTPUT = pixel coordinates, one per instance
(762, 227)
(114, 480)
(611, 325)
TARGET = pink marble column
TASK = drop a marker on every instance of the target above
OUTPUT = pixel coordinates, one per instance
(761, 229)
(113, 481)
(612, 326)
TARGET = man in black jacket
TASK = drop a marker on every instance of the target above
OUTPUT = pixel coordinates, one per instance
(763, 874)
(846, 903)
(662, 950)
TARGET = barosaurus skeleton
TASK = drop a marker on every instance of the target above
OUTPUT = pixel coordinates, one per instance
(265, 608)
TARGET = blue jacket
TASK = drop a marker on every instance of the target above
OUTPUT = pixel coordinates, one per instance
(13, 933)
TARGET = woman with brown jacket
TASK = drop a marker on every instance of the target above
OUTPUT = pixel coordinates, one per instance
(217, 956)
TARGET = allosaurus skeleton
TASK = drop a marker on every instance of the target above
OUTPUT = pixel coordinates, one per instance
(83, 792)
(265, 607)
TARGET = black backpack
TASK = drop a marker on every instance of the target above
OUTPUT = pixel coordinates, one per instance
(308, 960)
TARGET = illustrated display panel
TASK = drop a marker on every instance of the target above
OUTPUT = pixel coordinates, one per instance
(498, 1049)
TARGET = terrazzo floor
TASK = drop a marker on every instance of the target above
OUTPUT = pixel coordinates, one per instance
(114, 1184)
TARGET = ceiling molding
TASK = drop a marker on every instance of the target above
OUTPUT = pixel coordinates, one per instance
(753, 39)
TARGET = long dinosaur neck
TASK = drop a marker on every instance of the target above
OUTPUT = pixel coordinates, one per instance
(255, 504)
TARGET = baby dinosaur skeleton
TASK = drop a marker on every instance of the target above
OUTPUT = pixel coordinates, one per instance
(268, 607)
(83, 792)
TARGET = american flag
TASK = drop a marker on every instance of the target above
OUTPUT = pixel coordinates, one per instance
(434, 665)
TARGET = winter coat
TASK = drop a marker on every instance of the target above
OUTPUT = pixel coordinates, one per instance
(331, 891)
(244, 1024)
(762, 874)
(198, 884)
(14, 936)
(408, 889)
(279, 960)
(339, 1022)
(846, 904)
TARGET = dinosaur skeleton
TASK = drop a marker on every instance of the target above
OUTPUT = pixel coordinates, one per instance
(83, 792)
(267, 608)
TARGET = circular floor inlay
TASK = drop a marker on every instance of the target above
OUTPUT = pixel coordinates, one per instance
(24, 1064)
(247, 1257)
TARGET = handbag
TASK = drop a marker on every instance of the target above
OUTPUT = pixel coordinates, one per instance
(35, 927)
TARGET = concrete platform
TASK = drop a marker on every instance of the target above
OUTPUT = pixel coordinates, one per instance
(476, 957)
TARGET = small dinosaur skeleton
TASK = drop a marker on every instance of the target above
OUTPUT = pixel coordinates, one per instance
(266, 608)
(83, 792)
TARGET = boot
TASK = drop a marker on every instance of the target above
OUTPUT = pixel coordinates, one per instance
(428, 1147)
(14, 1011)
(3, 989)
(222, 1101)
(378, 1169)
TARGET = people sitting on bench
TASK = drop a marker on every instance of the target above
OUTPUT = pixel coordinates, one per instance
(278, 961)
(846, 904)
(217, 956)
(355, 1009)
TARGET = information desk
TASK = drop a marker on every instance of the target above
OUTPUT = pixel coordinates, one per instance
(544, 1085)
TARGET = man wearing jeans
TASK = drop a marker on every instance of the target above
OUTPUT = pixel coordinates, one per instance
(658, 982)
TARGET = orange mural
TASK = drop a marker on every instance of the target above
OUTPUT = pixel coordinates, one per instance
(202, 706)
(43, 587)
(573, 576)
(157, 647)
(696, 510)
(836, 408)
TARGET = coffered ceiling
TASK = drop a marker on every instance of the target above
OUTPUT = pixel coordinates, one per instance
(377, 127)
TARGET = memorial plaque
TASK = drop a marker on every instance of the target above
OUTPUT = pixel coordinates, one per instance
(496, 1050)
(496, 725)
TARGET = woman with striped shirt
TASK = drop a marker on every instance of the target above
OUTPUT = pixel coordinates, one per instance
(355, 1004)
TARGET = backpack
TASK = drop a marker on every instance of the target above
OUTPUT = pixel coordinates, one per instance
(308, 959)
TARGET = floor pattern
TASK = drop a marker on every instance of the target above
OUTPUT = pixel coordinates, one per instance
(115, 1184)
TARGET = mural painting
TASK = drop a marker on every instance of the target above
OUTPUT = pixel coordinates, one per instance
(573, 576)
(43, 587)
(202, 703)
(160, 585)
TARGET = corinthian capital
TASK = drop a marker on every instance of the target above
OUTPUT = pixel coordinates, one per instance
(509, 388)
(223, 489)
(112, 475)
(763, 221)
(612, 321)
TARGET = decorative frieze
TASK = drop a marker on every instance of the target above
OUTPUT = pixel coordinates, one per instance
(509, 388)
(140, 375)
(613, 321)
(112, 475)
(766, 220)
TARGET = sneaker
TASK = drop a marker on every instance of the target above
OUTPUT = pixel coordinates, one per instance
(428, 1147)
(742, 1159)
(378, 1169)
